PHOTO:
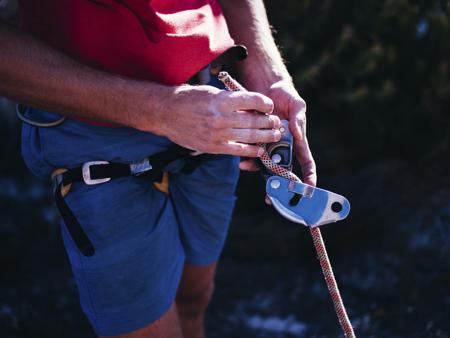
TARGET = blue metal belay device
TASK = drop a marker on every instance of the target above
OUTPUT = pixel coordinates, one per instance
(299, 202)
(314, 207)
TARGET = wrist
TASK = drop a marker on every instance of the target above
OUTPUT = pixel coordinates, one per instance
(260, 72)
(145, 106)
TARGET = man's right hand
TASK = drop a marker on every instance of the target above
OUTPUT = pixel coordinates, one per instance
(215, 121)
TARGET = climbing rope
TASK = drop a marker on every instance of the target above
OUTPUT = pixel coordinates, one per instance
(232, 85)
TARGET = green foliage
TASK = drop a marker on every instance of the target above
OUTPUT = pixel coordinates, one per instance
(375, 74)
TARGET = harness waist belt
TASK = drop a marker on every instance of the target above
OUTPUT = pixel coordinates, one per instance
(97, 172)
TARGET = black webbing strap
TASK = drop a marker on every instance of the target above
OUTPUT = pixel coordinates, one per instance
(108, 170)
(77, 233)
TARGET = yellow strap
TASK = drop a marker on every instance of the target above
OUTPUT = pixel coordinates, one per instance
(64, 188)
(163, 186)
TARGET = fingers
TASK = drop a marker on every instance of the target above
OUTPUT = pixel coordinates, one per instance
(234, 101)
(306, 160)
(248, 120)
(239, 149)
(253, 135)
(248, 165)
(297, 118)
(297, 126)
(237, 110)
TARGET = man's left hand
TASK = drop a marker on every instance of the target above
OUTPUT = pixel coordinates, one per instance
(290, 106)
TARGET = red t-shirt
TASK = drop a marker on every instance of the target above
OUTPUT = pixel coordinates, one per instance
(166, 41)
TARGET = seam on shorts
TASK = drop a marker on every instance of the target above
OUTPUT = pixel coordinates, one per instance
(175, 211)
(160, 213)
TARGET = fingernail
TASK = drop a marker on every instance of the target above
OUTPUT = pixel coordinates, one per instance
(277, 135)
(268, 101)
(276, 121)
(260, 152)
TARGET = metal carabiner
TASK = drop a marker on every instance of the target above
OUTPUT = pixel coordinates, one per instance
(20, 111)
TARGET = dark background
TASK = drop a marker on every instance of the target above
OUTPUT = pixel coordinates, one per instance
(375, 75)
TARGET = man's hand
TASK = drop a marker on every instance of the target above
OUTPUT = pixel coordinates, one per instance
(264, 71)
(290, 106)
(215, 121)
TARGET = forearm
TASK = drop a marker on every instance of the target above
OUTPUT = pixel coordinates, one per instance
(248, 25)
(197, 117)
(37, 75)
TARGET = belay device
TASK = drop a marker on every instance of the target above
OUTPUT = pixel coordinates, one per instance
(296, 201)
(301, 203)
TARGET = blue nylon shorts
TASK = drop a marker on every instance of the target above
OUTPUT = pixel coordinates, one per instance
(142, 236)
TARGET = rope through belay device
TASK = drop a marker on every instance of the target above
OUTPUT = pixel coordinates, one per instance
(313, 207)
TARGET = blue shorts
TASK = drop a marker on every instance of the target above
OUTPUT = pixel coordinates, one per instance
(142, 237)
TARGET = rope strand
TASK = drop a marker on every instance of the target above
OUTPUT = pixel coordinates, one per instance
(232, 85)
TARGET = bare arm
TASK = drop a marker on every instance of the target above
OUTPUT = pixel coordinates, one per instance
(248, 25)
(264, 71)
(35, 74)
(200, 117)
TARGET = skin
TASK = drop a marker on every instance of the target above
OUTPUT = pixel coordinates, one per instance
(194, 294)
(198, 117)
(264, 72)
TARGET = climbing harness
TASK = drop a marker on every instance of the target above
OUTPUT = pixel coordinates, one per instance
(98, 172)
(302, 203)
(151, 168)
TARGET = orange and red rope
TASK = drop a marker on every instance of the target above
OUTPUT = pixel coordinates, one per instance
(232, 85)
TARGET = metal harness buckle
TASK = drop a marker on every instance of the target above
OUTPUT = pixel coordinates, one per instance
(86, 170)
(139, 168)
